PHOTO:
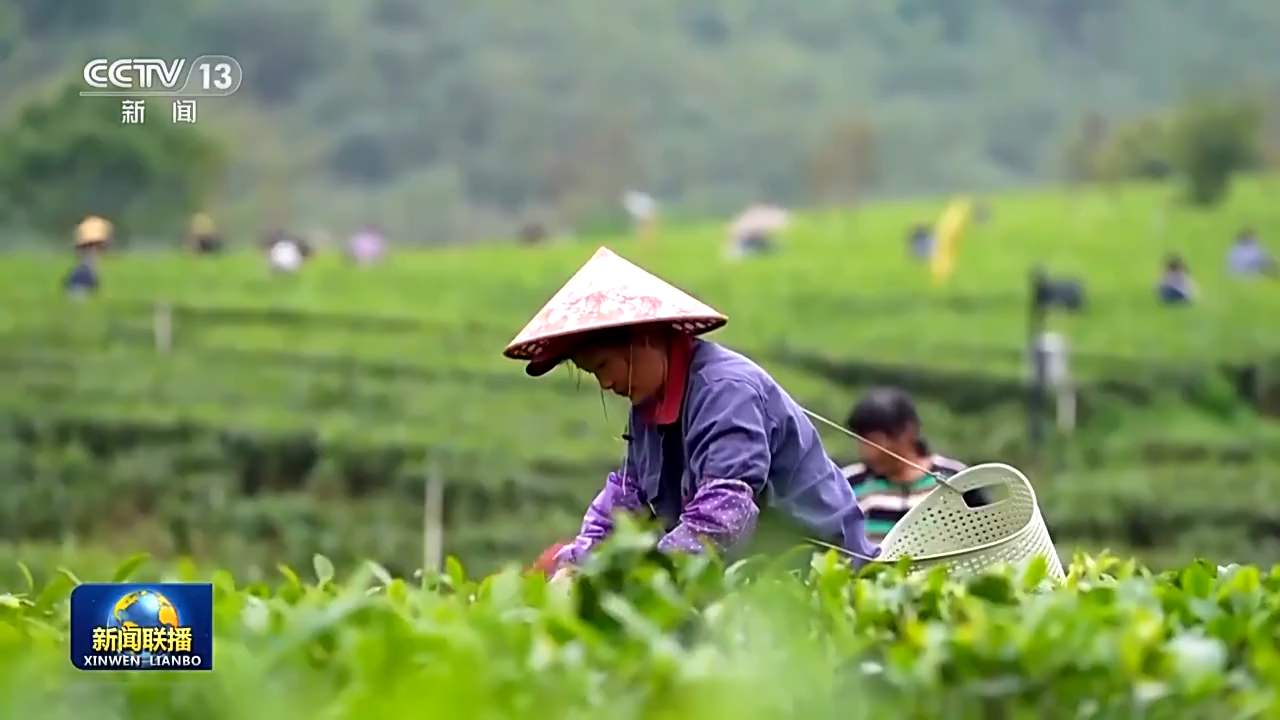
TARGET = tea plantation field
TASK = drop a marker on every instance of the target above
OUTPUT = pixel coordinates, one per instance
(304, 412)
(636, 637)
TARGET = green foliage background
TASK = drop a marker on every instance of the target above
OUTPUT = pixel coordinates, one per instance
(447, 120)
(69, 157)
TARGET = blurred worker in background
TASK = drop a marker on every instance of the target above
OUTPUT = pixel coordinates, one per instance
(889, 484)
(642, 208)
(94, 232)
(1176, 286)
(367, 246)
(755, 230)
(1248, 256)
(920, 241)
(92, 237)
(286, 252)
(203, 237)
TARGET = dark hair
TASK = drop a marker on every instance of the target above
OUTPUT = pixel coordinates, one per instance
(886, 410)
(1174, 263)
(616, 337)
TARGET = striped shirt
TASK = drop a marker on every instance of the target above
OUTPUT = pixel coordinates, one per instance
(884, 502)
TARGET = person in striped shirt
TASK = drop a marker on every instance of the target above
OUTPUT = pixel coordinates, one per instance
(888, 487)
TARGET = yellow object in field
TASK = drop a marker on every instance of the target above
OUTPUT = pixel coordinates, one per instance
(93, 230)
(946, 239)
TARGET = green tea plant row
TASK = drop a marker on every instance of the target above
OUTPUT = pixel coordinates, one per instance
(267, 397)
(49, 483)
(500, 415)
(211, 503)
(636, 635)
(441, 344)
(442, 350)
(504, 428)
(459, 350)
(905, 321)
(192, 501)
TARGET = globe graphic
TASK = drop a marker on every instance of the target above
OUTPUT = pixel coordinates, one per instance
(144, 608)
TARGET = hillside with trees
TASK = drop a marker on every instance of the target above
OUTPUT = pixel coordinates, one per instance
(456, 120)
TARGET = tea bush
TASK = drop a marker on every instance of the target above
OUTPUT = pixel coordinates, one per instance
(640, 635)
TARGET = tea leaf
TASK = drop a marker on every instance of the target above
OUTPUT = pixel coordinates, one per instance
(129, 566)
(323, 568)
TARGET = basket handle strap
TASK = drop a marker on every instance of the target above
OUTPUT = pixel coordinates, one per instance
(927, 471)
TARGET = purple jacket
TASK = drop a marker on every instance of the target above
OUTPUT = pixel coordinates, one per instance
(747, 444)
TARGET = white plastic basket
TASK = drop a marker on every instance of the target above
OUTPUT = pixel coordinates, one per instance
(944, 530)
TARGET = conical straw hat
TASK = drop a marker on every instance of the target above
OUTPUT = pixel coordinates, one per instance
(760, 219)
(607, 292)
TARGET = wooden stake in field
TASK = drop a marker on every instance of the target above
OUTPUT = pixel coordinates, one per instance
(162, 327)
(432, 518)
(1057, 365)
